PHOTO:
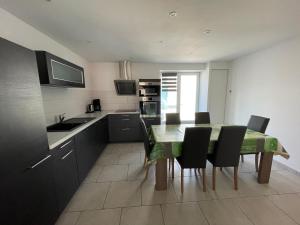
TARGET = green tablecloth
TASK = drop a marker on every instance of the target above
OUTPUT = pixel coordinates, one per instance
(168, 141)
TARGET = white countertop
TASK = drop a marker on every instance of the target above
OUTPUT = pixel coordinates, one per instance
(57, 138)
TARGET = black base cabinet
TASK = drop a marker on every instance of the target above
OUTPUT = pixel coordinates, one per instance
(89, 144)
(65, 173)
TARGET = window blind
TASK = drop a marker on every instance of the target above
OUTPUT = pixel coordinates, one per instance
(169, 82)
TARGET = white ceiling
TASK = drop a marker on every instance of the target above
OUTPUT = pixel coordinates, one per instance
(142, 30)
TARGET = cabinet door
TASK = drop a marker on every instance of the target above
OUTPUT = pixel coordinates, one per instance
(86, 151)
(30, 196)
(102, 134)
(65, 176)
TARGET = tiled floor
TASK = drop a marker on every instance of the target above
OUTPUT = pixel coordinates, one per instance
(114, 194)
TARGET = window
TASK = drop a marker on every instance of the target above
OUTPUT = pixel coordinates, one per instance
(180, 92)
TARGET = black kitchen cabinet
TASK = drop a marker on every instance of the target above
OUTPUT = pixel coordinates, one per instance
(56, 71)
(89, 144)
(154, 120)
(27, 194)
(65, 173)
(124, 127)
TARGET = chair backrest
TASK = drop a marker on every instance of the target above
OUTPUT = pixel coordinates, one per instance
(172, 118)
(195, 147)
(227, 149)
(258, 123)
(147, 144)
(202, 117)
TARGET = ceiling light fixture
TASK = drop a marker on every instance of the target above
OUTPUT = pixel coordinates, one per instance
(207, 31)
(172, 13)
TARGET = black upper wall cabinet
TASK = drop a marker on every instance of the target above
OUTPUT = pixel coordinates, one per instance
(55, 71)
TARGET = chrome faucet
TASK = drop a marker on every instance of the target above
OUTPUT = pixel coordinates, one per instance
(61, 117)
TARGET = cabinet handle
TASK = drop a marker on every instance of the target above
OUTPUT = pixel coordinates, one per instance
(125, 129)
(66, 155)
(64, 145)
(125, 119)
(38, 163)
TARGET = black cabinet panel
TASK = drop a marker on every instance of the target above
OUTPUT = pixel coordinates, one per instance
(124, 127)
(23, 137)
(65, 173)
(56, 71)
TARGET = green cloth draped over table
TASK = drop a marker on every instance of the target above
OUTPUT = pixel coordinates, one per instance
(168, 140)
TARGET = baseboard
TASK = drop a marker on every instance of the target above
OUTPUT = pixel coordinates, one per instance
(285, 167)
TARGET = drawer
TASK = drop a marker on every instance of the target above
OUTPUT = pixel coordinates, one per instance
(64, 148)
(152, 121)
(124, 120)
(125, 134)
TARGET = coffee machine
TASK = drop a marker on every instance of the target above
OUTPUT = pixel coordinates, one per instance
(97, 105)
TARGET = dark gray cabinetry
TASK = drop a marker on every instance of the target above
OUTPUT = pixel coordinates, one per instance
(56, 71)
(89, 144)
(27, 191)
(65, 172)
(124, 127)
(152, 121)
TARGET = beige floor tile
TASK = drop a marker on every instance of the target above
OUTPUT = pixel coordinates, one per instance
(192, 190)
(283, 184)
(151, 197)
(113, 173)
(68, 218)
(89, 196)
(261, 211)
(107, 159)
(93, 174)
(142, 215)
(183, 214)
(130, 158)
(123, 194)
(224, 185)
(99, 217)
(248, 186)
(138, 172)
(289, 203)
(223, 212)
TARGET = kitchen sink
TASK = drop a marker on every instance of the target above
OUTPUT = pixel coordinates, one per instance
(69, 124)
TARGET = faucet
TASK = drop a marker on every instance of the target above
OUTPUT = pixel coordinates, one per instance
(61, 117)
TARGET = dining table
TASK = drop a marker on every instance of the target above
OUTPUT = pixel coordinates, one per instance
(168, 139)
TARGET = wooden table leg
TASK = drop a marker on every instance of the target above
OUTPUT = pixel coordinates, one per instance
(265, 167)
(161, 174)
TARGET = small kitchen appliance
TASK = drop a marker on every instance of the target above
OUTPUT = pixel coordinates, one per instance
(90, 108)
(97, 105)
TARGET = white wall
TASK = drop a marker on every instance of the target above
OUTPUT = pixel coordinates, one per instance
(103, 75)
(56, 100)
(267, 83)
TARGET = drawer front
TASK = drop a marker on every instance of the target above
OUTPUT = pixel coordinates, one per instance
(124, 134)
(64, 148)
(152, 121)
(124, 120)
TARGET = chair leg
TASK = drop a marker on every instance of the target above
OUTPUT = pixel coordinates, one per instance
(221, 168)
(169, 164)
(242, 158)
(204, 179)
(173, 160)
(181, 181)
(147, 171)
(145, 161)
(256, 161)
(214, 178)
(235, 178)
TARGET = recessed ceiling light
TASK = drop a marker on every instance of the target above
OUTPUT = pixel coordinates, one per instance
(173, 13)
(207, 31)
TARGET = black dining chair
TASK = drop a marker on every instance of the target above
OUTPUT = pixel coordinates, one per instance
(202, 118)
(148, 145)
(172, 118)
(259, 124)
(227, 151)
(194, 151)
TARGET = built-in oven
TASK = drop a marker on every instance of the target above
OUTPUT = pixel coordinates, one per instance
(149, 87)
(150, 105)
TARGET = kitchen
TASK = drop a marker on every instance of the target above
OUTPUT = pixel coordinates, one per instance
(72, 145)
